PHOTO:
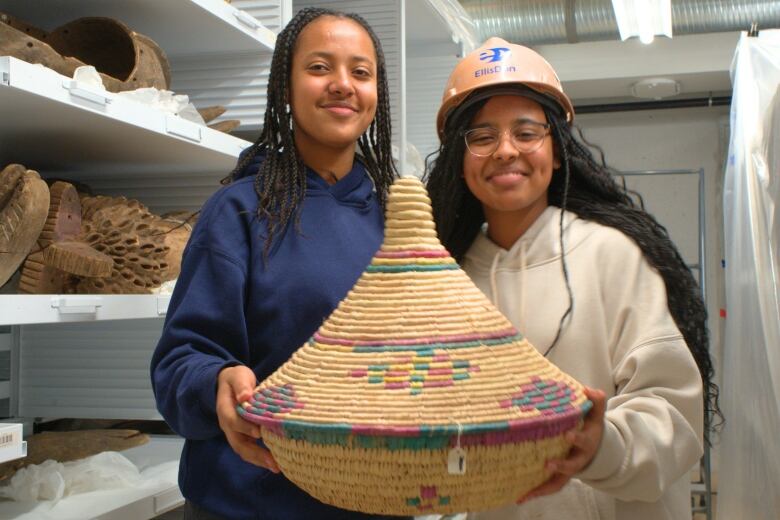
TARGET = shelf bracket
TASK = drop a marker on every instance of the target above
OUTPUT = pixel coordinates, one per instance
(179, 127)
(81, 91)
(167, 500)
(162, 304)
(246, 19)
(77, 304)
(253, 24)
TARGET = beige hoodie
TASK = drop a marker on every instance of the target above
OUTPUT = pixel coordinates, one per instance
(621, 339)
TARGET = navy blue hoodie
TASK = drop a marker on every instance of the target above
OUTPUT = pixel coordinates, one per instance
(229, 308)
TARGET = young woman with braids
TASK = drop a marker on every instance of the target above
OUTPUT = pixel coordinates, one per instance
(593, 281)
(273, 253)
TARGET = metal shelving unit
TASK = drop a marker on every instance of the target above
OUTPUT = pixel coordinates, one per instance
(701, 489)
(87, 356)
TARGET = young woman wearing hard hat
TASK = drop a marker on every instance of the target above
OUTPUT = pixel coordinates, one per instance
(592, 280)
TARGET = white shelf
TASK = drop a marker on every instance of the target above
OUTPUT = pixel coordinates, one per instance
(179, 27)
(158, 462)
(23, 309)
(57, 126)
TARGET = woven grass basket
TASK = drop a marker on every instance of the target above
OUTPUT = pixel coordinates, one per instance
(416, 395)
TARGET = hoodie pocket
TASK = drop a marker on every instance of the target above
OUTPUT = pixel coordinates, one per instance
(575, 501)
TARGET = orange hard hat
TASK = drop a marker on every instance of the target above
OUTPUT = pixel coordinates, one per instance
(500, 63)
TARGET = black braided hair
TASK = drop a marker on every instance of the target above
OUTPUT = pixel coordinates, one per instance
(589, 190)
(281, 183)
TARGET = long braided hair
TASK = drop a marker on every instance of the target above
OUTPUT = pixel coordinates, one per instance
(281, 183)
(588, 189)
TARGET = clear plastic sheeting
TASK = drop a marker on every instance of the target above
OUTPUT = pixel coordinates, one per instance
(459, 21)
(750, 395)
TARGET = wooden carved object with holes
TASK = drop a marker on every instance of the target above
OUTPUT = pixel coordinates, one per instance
(145, 248)
(59, 251)
(24, 201)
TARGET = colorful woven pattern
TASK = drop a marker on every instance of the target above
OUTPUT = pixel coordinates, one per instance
(416, 394)
(418, 372)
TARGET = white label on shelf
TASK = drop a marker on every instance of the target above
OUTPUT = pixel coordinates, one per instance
(77, 304)
(82, 91)
(10, 435)
(179, 127)
(6, 439)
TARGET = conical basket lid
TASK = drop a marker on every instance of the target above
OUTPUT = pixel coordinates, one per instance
(416, 350)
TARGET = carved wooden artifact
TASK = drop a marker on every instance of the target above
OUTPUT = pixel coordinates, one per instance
(146, 249)
(24, 202)
(60, 252)
(125, 59)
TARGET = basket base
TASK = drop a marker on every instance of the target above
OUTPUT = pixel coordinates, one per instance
(414, 482)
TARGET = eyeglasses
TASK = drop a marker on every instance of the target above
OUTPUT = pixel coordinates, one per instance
(526, 137)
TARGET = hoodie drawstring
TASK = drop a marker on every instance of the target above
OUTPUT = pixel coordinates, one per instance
(493, 284)
(523, 265)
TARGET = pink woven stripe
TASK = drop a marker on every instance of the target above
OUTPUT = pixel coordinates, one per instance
(396, 385)
(454, 338)
(440, 371)
(359, 373)
(412, 254)
(527, 430)
(389, 431)
(429, 384)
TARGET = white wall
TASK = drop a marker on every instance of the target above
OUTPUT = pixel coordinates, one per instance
(678, 139)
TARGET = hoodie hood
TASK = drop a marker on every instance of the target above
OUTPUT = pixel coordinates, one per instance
(539, 244)
(354, 189)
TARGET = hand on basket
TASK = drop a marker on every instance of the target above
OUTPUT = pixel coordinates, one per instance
(234, 386)
(585, 443)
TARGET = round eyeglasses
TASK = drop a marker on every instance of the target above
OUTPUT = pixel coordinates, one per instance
(526, 137)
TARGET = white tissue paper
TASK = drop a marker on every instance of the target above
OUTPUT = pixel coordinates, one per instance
(88, 75)
(53, 480)
(164, 100)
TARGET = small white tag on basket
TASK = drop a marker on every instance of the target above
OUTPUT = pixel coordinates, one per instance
(456, 460)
